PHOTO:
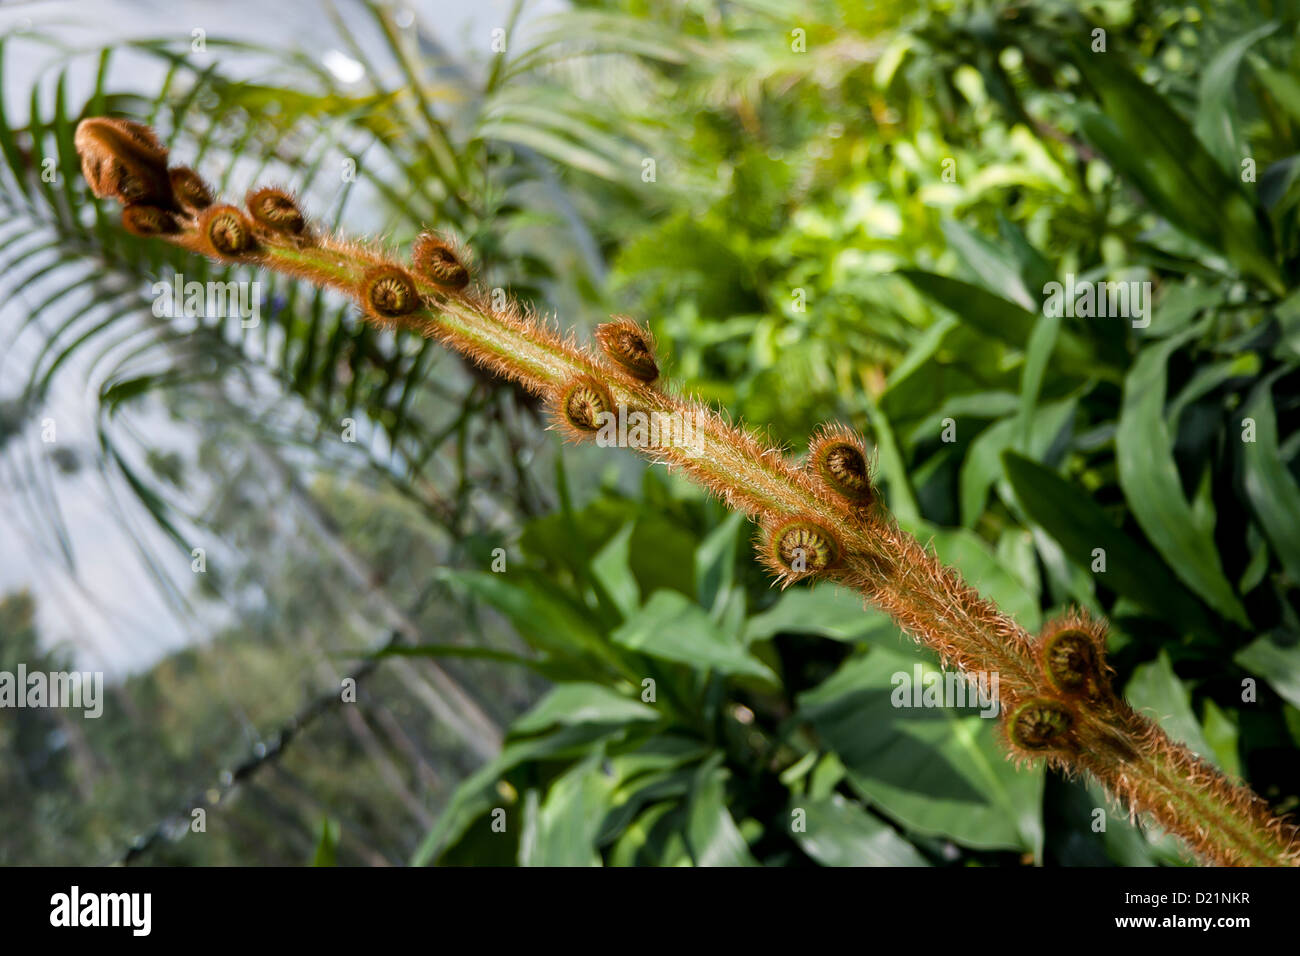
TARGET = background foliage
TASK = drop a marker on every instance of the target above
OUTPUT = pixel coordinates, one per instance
(801, 256)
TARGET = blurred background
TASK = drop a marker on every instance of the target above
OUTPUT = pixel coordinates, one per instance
(825, 211)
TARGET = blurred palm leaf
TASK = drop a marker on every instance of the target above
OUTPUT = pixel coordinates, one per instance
(430, 146)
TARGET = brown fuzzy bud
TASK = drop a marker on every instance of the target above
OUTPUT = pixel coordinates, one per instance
(630, 346)
(582, 407)
(799, 549)
(1071, 653)
(838, 458)
(192, 193)
(388, 293)
(124, 160)
(1041, 724)
(227, 233)
(142, 220)
(437, 261)
(276, 210)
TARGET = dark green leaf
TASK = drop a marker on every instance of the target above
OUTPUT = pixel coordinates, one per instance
(1080, 527)
(674, 628)
(1271, 489)
(711, 833)
(1218, 121)
(1146, 140)
(1154, 689)
(1147, 473)
(838, 832)
(937, 770)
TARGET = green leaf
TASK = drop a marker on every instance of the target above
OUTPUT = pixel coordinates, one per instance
(542, 617)
(1207, 378)
(1156, 690)
(652, 773)
(561, 829)
(991, 314)
(992, 267)
(612, 568)
(921, 350)
(902, 498)
(1151, 145)
(1277, 663)
(663, 556)
(1281, 85)
(1149, 477)
(1080, 527)
(671, 627)
(1125, 840)
(327, 845)
(838, 832)
(1033, 266)
(1180, 304)
(477, 793)
(630, 799)
(581, 703)
(937, 770)
(983, 464)
(610, 32)
(1222, 735)
(1039, 351)
(828, 610)
(1271, 489)
(1217, 117)
(1004, 321)
(654, 838)
(711, 833)
(715, 563)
